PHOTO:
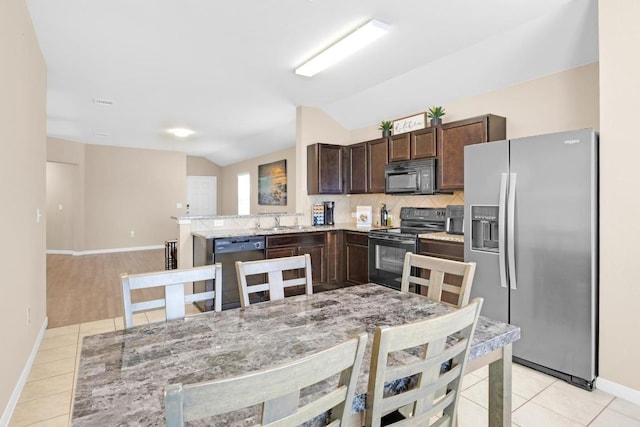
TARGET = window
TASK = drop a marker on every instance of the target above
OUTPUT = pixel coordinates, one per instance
(244, 196)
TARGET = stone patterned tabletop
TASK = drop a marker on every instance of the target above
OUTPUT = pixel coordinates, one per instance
(122, 374)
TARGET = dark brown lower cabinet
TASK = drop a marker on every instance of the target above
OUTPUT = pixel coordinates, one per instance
(356, 248)
(447, 250)
(335, 264)
(284, 245)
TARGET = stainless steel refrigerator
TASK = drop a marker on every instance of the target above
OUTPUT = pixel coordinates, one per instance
(531, 225)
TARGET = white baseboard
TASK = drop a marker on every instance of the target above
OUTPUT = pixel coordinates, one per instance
(59, 252)
(17, 391)
(103, 251)
(618, 390)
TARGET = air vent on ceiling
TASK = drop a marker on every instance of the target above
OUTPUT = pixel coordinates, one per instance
(100, 101)
(101, 133)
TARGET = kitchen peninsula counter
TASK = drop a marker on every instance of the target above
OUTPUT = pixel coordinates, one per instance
(233, 232)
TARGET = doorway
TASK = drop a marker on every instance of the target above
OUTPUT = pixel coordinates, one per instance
(201, 195)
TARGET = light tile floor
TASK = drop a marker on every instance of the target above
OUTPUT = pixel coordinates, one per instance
(538, 399)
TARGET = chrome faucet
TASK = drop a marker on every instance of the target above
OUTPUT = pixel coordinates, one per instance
(258, 223)
(277, 219)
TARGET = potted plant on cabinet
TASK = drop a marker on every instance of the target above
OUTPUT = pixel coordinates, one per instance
(435, 113)
(385, 127)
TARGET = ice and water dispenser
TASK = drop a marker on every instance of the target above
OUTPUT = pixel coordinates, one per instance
(484, 228)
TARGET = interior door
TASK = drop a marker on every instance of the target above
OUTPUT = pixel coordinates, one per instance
(202, 195)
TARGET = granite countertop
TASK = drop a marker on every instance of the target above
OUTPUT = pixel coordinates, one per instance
(441, 235)
(232, 232)
(258, 215)
(122, 374)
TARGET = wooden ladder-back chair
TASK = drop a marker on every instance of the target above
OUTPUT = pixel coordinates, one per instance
(174, 296)
(432, 343)
(440, 270)
(273, 269)
(277, 389)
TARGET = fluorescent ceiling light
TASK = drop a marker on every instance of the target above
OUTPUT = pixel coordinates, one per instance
(181, 132)
(358, 39)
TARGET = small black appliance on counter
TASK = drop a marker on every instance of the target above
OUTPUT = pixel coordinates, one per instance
(329, 208)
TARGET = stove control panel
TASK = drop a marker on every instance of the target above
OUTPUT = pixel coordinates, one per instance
(429, 214)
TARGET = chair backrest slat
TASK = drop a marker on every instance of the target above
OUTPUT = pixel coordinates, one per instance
(420, 349)
(439, 271)
(173, 282)
(273, 269)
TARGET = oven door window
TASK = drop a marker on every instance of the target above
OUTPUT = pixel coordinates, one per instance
(402, 182)
(386, 260)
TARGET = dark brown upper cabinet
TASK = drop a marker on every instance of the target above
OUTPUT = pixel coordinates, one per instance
(325, 169)
(400, 147)
(377, 158)
(420, 144)
(357, 168)
(423, 143)
(365, 166)
(453, 137)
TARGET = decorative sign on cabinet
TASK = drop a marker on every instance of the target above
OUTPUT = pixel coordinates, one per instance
(409, 124)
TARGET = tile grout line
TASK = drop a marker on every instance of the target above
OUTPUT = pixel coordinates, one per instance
(75, 376)
(565, 416)
(618, 412)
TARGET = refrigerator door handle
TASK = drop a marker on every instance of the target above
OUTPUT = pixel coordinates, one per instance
(502, 260)
(511, 213)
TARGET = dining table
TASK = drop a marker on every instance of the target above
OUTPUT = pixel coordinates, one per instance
(122, 374)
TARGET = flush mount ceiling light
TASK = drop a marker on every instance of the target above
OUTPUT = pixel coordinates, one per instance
(181, 132)
(358, 39)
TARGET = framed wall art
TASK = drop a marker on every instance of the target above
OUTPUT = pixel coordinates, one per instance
(272, 183)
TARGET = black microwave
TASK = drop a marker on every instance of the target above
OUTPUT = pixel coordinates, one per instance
(412, 177)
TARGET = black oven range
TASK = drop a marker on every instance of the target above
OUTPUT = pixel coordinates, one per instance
(388, 246)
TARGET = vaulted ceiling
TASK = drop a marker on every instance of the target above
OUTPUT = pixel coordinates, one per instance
(121, 72)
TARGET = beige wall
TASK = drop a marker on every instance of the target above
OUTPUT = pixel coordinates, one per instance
(22, 164)
(561, 101)
(228, 191)
(123, 189)
(199, 166)
(619, 201)
(314, 125)
(132, 189)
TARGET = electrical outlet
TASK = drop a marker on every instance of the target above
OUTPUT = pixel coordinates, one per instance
(218, 222)
(132, 233)
(178, 205)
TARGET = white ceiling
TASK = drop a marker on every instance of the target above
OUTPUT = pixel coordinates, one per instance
(225, 69)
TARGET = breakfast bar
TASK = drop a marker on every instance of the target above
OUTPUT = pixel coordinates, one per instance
(122, 374)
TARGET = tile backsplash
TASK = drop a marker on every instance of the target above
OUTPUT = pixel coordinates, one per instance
(346, 205)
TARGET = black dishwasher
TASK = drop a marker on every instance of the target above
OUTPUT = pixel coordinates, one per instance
(227, 251)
